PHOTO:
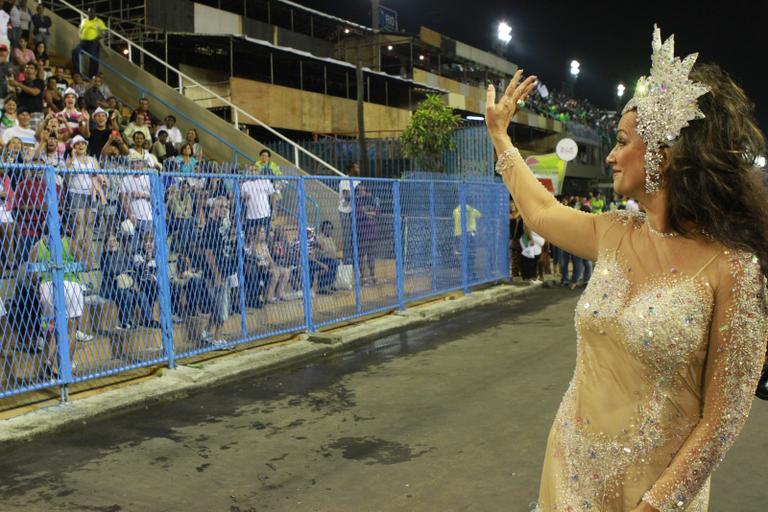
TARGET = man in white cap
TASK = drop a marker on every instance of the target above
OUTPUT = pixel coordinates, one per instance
(102, 132)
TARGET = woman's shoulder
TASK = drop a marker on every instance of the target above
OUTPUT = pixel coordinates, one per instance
(628, 219)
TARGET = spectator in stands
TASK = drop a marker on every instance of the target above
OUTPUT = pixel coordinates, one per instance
(30, 208)
(23, 55)
(328, 255)
(62, 84)
(48, 151)
(5, 20)
(22, 131)
(149, 120)
(78, 85)
(90, 32)
(139, 151)
(258, 194)
(58, 129)
(258, 277)
(103, 133)
(135, 195)
(137, 125)
(186, 161)
(73, 297)
(163, 148)
(189, 296)
(31, 90)
(9, 117)
(145, 270)
(52, 97)
(174, 134)
(181, 224)
(94, 97)
(117, 283)
(194, 140)
(84, 192)
(6, 219)
(41, 55)
(25, 20)
(114, 106)
(266, 166)
(76, 121)
(216, 272)
(6, 69)
(41, 26)
(104, 88)
(345, 210)
(15, 24)
(367, 213)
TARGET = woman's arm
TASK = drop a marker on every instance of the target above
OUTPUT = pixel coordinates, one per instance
(735, 357)
(565, 227)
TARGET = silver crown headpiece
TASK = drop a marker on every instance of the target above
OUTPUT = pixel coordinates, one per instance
(665, 103)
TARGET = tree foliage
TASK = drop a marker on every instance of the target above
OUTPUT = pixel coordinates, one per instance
(429, 133)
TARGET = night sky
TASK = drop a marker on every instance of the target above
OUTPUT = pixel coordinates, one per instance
(611, 40)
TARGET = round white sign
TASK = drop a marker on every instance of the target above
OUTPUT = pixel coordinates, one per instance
(567, 149)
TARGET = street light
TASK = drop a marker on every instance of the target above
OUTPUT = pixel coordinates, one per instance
(575, 68)
(620, 90)
(504, 32)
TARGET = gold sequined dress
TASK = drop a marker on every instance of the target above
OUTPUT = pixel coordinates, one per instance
(671, 337)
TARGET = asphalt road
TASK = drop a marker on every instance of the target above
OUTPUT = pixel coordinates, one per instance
(449, 417)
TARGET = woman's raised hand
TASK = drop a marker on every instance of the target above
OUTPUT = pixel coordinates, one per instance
(498, 115)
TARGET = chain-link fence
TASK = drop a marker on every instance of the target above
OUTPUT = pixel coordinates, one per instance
(113, 265)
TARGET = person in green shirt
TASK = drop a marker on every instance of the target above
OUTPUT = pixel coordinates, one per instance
(74, 301)
(90, 32)
(597, 203)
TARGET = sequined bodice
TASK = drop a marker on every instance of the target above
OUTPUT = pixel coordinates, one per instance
(662, 322)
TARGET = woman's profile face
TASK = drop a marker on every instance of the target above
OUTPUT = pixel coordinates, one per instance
(627, 158)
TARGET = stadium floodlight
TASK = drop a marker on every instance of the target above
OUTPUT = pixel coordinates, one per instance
(575, 68)
(760, 161)
(504, 32)
(421, 57)
(346, 31)
(390, 47)
(475, 118)
(620, 90)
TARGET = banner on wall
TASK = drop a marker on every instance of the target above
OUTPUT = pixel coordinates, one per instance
(549, 169)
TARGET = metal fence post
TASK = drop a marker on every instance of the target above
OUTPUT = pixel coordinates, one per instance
(433, 234)
(464, 238)
(157, 197)
(355, 256)
(398, 244)
(57, 273)
(240, 249)
(306, 282)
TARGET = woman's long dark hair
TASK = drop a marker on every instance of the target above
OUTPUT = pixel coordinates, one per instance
(713, 183)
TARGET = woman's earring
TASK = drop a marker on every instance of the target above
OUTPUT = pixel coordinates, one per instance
(653, 160)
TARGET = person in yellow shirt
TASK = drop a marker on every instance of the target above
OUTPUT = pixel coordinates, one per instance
(472, 216)
(90, 32)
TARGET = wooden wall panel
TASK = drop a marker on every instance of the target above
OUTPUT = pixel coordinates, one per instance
(283, 107)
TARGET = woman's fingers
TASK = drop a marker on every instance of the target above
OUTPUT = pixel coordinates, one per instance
(513, 83)
(524, 89)
(490, 98)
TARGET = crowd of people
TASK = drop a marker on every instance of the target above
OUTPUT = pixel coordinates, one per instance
(533, 258)
(60, 118)
(565, 108)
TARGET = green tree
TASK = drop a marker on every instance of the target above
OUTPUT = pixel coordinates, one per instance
(429, 133)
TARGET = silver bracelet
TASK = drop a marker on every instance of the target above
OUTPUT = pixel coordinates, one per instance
(506, 159)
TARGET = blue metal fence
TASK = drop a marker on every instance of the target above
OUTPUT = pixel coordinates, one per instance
(114, 267)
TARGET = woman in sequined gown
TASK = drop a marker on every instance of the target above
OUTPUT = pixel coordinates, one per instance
(671, 330)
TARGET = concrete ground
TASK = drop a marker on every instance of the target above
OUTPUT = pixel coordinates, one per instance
(446, 417)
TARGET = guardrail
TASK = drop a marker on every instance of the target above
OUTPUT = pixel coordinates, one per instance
(114, 267)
